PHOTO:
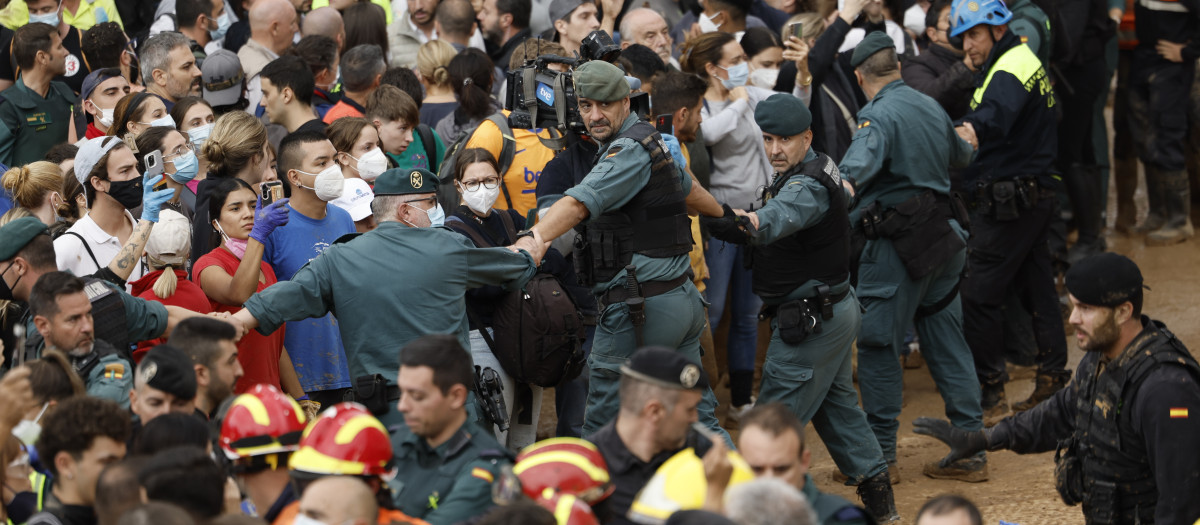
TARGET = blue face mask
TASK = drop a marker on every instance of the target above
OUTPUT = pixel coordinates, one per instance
(186, 167)
(437, 217)
(48, 19)
(737, 75)
(223, 24)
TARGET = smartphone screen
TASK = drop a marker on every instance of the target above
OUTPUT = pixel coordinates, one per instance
(665, 124)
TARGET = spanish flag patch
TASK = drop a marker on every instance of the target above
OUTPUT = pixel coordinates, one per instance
(864, 124)
(1179, 413)
(482, 474)
(114, 371)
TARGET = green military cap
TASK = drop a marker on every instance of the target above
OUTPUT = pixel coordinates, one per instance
(599, 80)
(783, 114)
(874, 42)
(16, 234)
(666, 368)
(406, 182)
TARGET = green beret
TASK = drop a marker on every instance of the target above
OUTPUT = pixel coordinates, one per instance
(406, 182)
(783, 114)
(601, 81)
(16, 234)
(874, 42)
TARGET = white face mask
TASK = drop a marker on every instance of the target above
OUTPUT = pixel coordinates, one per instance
(482, 199)
(371, 165)
(707, 25)
(764, 78)
(165, 121)
(106, 115)
(329, 183)
(199, 135)
(28, 431)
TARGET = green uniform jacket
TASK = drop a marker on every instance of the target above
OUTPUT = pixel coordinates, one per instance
(111, 378)
(144, 320)
(621, 173)
(388, 287)
(32, 123)
(904, 145)
(832, 509)
(450, 483)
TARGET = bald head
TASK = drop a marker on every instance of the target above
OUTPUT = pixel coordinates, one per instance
(648, 28)
(325, 21)
(273, 24)
(339, 499)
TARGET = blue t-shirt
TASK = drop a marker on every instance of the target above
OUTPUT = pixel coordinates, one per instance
(315, 345)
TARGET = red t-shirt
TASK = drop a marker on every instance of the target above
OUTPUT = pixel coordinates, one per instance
(187, 295)
(259, 354)
(339, 110)
(92, 132)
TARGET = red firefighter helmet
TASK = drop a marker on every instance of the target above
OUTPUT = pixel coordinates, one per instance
(345, 440)
(567, 509)
(566, 465)
(262, 421)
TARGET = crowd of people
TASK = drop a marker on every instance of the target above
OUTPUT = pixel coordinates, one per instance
(314, 261)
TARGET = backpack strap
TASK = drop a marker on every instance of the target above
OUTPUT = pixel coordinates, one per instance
(86, 247)
(461, 226)
(430, 144)
(508, 150)
(507, 220)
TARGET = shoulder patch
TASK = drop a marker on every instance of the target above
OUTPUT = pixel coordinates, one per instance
(613, 151)
(114, 371)
(864, 124)
(482, 474)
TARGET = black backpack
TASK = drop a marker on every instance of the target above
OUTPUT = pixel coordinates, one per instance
(538, 329)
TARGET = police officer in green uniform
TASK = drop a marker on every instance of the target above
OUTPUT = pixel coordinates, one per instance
(802, 273)
(35, 111)
(445, 463)
(27, 253)
(634, 204)
(915, 249)
(389, 286)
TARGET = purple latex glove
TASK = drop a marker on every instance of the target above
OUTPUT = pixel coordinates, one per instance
(266, 220)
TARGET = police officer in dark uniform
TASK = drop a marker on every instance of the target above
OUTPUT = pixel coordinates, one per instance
(634, 202)
(801, 258)
(1124, 427)
(916, 249)
(1011, 183)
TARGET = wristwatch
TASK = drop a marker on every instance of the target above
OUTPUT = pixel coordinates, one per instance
(525, 233)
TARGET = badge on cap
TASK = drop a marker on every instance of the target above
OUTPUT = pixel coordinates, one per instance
(973, 6)
(689, 376)
(415, 179)
(149, 371)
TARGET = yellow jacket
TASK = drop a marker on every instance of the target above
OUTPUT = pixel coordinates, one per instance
(90, 13)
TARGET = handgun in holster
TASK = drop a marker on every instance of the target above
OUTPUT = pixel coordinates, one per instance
(489, 395)
(872, 216)
(635, 302)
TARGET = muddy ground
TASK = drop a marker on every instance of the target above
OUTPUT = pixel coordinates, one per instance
(1021, 487)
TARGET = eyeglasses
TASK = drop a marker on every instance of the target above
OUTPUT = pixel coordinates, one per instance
(490, 183)
(180, 151)
(427, 199)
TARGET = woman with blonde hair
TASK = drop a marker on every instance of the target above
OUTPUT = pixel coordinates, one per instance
(34, 187)
(432, 59)
(167, 279)
(236, 148)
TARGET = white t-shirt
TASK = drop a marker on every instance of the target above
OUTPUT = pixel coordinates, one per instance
(71, 254)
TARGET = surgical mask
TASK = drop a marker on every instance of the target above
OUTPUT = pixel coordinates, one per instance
(106, 116)
(737, 75)
(371, 165)
(6, 291)
(236, 246)
(165, 121)
(127, 192)
(707, 25)
(199, 135)
(28, 431)
(223, 24)
(437, 216)
(764, 78)
(329, 184)
(48, 19)
(482, 199)
(186, 167)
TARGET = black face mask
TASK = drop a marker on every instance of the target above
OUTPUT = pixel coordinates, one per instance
(6, 291)
(127, 192)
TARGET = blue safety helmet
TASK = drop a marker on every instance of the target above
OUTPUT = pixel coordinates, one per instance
(969, 13)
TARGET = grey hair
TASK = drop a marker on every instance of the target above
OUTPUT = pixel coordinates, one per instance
(155, 53)
(768, 501)
(383, 207)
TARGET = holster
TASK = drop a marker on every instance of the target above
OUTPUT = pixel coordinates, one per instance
(1068, 471)
(371, 392)
(920, 232)
(796, 320)
(1003, 200)
(581, 255)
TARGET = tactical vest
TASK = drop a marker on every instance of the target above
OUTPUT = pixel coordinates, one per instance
(821, 252)
(654, 223)
(1118, 481)
(108, 321)
(1020, 62)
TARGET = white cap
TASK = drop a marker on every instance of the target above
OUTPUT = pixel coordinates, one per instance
(356, 199)
(171, 239)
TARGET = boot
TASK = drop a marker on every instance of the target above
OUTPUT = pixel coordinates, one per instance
(994, 403)
(1047, 385)
(893, 473)
(1178, 201)
(1084, 189)
(971, 470)
(1156, 214)
(1125, 175)
(876, 495)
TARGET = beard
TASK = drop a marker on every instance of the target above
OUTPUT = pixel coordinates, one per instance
(1103, 337)
(218, 391)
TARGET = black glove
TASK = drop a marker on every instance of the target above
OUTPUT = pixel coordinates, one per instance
(963, 443)
(730, 227)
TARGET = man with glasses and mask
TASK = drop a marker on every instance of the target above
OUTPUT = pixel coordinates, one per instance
(431, 270)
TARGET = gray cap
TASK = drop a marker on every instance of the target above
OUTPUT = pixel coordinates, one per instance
(561, 9)
(90, 154)
(222, 78)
